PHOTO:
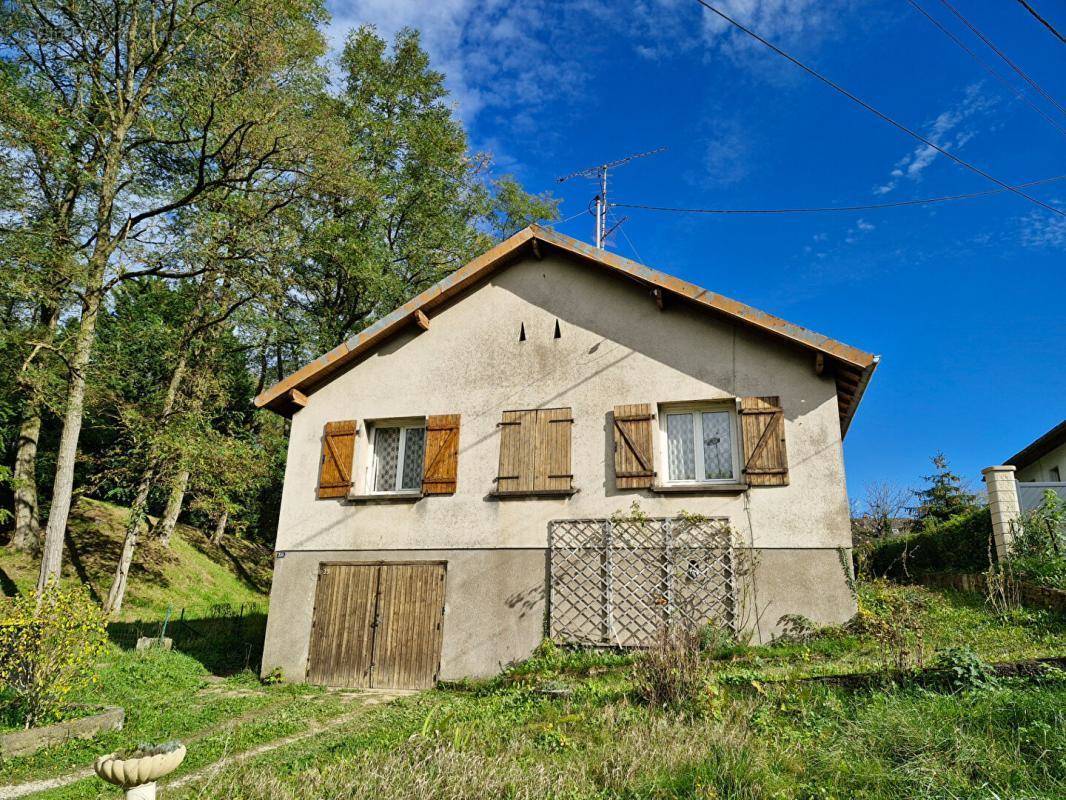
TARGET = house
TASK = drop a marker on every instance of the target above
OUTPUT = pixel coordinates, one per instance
(1039, 467)
(461, 475)
(1044, 460)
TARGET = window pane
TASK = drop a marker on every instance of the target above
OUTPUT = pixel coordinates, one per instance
(717, 448)
(386, 453)
(414, 447)
(680, 448)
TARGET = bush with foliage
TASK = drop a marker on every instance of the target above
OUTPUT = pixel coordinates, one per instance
(1038, 551)
(49, 645)
(894, 617)
(964, 669)
(961, 544)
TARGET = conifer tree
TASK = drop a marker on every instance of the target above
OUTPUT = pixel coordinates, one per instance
(944, 496)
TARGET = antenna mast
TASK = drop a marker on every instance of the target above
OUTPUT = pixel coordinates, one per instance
(599, 172)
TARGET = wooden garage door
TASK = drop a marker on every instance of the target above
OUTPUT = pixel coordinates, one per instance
(377, 625)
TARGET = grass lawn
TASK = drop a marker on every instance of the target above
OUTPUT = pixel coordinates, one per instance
(573, 725)
(172, 696)
(232, 572)
(752, 737)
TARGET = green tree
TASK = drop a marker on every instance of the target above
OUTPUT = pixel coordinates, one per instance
(943, 497)
(155, 104)
(397, 202)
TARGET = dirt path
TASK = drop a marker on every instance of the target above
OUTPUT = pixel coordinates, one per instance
(365, 699)
(370, 698)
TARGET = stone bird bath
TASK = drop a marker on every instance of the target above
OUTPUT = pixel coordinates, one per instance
(138, 772)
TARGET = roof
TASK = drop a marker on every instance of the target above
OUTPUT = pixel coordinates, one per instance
(1041, 447)
(851, 367)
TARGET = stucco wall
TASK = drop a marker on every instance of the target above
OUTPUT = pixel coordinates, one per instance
(616, 347)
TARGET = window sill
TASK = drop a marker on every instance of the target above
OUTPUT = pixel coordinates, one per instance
(701, 488)
(385, 497)
(531, 494)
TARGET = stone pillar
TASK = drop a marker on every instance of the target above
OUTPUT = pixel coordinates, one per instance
(1003, 503)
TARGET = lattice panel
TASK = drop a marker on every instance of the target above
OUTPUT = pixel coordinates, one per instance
(620, 583)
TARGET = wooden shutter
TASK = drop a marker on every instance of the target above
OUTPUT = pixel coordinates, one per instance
(535, 451)
(551, 459)
(516, 451)
(634, 463)
(338, 449)
(441, 466)
(762, 429)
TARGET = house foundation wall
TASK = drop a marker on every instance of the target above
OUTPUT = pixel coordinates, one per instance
(496, 601)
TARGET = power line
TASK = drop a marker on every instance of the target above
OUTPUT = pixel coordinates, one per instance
(832, 209)
(1019, 94)
(1043, 21)
(1003, 55)
(900, 126)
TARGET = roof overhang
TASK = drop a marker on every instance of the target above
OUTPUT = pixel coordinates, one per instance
(850, 367)
(1056, 437)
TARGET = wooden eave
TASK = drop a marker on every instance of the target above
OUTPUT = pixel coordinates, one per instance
(850, 367)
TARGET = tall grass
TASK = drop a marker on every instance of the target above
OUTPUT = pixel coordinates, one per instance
(814, 742)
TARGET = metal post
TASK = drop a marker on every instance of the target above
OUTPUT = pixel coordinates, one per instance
(601, 209)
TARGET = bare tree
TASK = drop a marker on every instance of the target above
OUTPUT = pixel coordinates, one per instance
(883, 507)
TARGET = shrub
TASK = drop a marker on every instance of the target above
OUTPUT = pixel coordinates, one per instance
(893, 616)
(49, 645)
(958, 545)
(1038, 551)
(671, 674)
(964, 669)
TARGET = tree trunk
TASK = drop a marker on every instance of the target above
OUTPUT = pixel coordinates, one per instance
(165, 528)
(139, 509)
(63, 486)
(27, 534)
(220, 528)
(122, 571)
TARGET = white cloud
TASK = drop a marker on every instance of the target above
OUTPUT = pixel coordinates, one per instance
(1041, 229)
(727, 158)
(944, 131)
(778, 21)
(493, 53)
(503, 55)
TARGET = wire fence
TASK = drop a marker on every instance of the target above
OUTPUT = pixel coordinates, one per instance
(225, 637)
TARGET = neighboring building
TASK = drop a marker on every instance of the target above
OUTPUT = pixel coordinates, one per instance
(1043, 461)
(456, 471)
(1040, 467)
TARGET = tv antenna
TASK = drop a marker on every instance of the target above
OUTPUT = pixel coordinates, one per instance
(599, 172)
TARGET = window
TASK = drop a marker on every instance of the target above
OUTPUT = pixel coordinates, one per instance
(398, 455)
(1054, 475)
(699, 443)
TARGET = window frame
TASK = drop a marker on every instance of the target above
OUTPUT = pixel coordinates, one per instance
(403, 424)
(696, 409)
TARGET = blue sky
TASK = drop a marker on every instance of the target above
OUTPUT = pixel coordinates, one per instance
(963, 301)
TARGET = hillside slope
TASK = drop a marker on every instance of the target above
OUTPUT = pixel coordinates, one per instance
(191, 573)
